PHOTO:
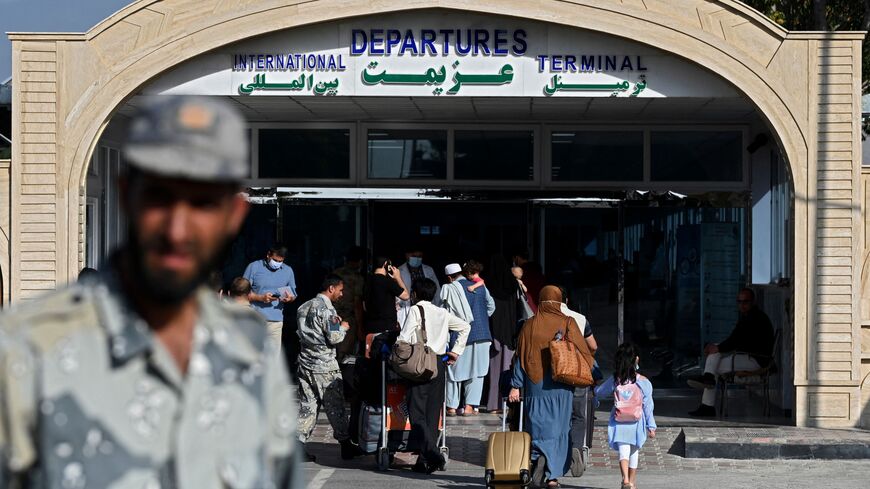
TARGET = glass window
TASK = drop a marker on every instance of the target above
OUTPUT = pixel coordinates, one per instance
(304, 153)
(407, 153)
(697, 156)
(597, 156)
(494, 155)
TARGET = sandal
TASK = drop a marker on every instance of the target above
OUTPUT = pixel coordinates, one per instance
(451, 412)
(553, 483)
(470, 411)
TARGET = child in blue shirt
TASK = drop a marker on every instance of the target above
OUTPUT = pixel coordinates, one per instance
(631, 419)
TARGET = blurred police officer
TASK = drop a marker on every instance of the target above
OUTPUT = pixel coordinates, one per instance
(143, 378)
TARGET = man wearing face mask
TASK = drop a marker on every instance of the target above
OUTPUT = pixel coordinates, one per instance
(273, 285)
(412, 270)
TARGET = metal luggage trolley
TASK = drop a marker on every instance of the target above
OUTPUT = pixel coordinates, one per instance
(394, 420)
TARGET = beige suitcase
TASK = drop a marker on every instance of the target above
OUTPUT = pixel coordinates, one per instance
(508, 456)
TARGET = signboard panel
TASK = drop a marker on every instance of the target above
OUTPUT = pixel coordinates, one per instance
(440, 54)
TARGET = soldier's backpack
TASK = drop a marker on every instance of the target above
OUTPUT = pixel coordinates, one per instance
(628, 402)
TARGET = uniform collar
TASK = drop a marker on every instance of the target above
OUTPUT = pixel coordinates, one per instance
(130, 336)
(325, 299)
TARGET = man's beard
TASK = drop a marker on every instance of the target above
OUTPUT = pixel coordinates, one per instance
(166, 287)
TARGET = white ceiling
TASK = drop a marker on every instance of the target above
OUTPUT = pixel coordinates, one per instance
(487, 109)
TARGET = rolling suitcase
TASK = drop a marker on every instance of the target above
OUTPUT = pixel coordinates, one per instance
(508, 457)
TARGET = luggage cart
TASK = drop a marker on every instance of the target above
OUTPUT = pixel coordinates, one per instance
(395, 424)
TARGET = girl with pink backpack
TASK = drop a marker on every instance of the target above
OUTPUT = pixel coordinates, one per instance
(631, 420)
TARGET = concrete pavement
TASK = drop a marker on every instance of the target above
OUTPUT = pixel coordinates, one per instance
(662, 465)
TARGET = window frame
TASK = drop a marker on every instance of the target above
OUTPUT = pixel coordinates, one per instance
(256, 181)
(542, 154)
(647, 183)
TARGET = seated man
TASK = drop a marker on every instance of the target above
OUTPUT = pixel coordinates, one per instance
(753, 337)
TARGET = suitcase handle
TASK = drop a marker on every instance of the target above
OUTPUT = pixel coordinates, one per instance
(504, 412)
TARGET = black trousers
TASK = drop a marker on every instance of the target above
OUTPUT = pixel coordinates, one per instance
(425, 402)
(578, 418)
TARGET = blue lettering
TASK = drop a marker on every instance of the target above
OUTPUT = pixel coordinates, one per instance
(610, 63)
(290, 64)
(500, 43)
(626, 62)
(409, 43)
(375, 41)
(321, 61)
(341, 65)
(394, 38)
(570, 63)
(269, 64)
(542, 58)
(239, 63)
(640, 67)
(481, 38)
(358, 47)
(311, 62)
(331, 64)
(260, 62)
(446, 33)
(460, 50)
(427, 40)
(587, 63)
(556, 62)
(279, 61)
(520, 46)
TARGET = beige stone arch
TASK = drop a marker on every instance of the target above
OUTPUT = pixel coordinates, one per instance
(796, 81)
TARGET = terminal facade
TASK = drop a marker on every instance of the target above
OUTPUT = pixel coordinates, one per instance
(652, 158)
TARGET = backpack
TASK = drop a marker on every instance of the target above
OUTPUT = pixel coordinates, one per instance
(628, 402)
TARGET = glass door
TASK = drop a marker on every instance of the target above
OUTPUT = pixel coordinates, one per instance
(579, 248)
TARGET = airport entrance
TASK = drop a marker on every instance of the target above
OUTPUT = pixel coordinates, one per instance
(660, 271)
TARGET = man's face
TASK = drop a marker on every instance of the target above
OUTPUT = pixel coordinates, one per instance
(414, 254)
(744, 302)
(178, 231)
(274, 256)
(336, 292)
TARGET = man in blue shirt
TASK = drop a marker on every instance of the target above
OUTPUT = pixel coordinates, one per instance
(273, 284)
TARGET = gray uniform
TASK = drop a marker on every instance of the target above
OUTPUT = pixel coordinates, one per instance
(319, 377)
(90, 398)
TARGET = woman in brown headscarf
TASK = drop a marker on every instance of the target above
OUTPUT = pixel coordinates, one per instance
(548, 403)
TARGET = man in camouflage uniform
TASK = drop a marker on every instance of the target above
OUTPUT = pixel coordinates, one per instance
(320, 329)
(141, 378)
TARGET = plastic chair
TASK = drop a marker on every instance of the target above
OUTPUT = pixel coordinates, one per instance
(750, 378)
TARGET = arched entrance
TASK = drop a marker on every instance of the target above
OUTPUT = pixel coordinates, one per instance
(99, 70)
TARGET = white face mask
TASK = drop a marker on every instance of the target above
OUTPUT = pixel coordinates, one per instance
(415, 261)
(275, 265)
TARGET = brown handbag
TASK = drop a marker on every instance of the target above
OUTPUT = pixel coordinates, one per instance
(571, 364)
(415, 362)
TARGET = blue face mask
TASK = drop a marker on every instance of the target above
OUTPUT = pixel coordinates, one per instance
(275, 265)
(415, 261)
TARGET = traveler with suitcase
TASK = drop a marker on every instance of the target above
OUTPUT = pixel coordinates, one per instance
(631, 419)
(548, 403)
(426, 399)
